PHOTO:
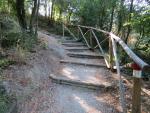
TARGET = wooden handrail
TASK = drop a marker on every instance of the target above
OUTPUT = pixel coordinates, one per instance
(84, 38)
(136, 105)
(70, 32)
(100, 47)
(121, 87)
(86, 32)
(94, 29)
(143, 65)
(130, 53)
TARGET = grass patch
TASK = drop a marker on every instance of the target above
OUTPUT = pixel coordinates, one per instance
(4, 62)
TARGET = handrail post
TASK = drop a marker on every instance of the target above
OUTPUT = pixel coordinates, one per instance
(121, 86)
(136, 96)
(91, 41)
(70, 32)
(100, 47)
(84, 38)
(110, 55)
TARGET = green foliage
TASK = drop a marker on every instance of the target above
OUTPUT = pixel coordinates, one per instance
(143, 48)
(11, 34)
(9, 31)
(89, 8)
(8, 24)
(27, 41)
(4, 62)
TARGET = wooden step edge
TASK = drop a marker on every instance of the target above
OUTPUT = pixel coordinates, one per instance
(84, 64)
(77, 83)
(74, 45)
(70, 40)
(82, 55)
(73, 42)
(76, 50)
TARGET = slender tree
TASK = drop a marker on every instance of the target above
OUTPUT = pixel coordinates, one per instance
(33, 15)
(37, 13)
(20, 8)
(129, 20)
(112, 14)
(45, 7)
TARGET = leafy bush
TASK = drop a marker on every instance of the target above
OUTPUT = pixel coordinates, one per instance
(9, 30)
(11, 34)
(143, 48)
(5, 62)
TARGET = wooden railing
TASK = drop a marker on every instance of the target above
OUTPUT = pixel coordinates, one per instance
(143, 65)
(113, 39)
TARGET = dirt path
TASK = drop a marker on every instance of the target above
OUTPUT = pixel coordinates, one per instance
(36, 93)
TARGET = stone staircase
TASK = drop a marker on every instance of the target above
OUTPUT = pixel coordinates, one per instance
(83, 67)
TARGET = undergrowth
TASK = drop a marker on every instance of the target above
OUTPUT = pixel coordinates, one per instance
(4, 62)
(14, 46)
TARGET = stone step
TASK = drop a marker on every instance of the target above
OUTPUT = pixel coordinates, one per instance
(85, 55)
(83, 63)
(77, 49)
(70, 41)
(73, 44)
(61, 80)
(88, 77)
(70, 98)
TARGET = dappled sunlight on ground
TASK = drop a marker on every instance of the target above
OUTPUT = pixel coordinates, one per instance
(84, 104)
(68, 73)
(85, 74)
(80, 100)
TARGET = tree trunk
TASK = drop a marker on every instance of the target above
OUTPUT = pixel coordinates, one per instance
(69, 17)
(120, 16)
(45, 6)
(13, 5)
(37, 13)
(112, 18)
(129, 26)
(52, 10)
(21, 13)
(60, 14)
(103, 15)
(49, 11)
(33, 15)
(101, 18)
